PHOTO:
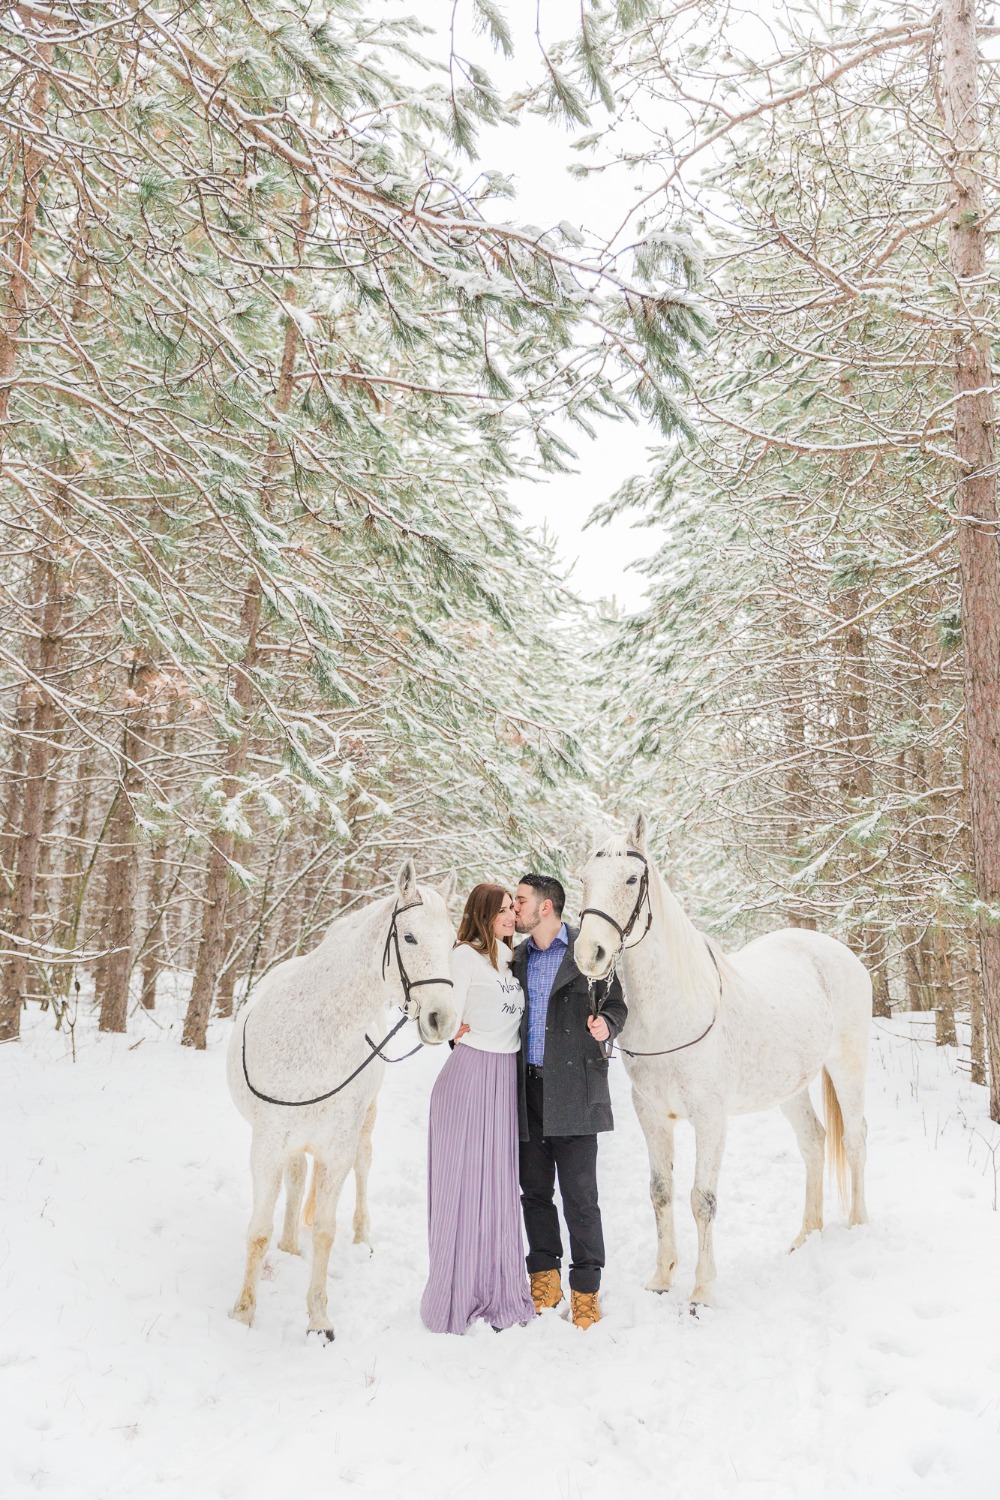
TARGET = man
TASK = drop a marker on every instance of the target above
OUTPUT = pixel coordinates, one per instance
(563, 1099)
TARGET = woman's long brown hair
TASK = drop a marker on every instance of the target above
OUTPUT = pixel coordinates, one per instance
(481, 910)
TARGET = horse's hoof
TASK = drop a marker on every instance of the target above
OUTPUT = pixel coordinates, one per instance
(326, 1334)
(658, 1284)
(289, 1249)
(242, 1315)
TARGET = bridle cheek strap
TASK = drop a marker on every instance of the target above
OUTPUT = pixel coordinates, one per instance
(392, 942)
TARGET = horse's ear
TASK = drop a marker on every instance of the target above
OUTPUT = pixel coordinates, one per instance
(406, 882)
(637, 833)
(448, 888)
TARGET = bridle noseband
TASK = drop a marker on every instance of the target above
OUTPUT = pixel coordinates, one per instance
(392, 940)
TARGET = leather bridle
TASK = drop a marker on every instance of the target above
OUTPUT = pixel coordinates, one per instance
(391, 941)
(624, 933)
(625, 947)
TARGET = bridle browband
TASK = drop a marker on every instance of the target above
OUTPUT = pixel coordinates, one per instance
(392, 940)
(625, 947)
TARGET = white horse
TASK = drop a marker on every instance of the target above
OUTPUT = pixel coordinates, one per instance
(709, 1036)
(303, 1045)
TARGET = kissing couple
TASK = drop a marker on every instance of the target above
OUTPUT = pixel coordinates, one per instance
(521, 1100)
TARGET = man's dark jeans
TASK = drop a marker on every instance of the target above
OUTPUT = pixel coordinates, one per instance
(574, 1158)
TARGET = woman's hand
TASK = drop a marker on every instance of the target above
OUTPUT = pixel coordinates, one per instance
(461, 1031)
(598, 1028)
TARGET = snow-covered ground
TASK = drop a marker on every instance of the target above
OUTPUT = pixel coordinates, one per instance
(866, 1364)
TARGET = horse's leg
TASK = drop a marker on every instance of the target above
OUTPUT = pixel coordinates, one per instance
(659, 1133)
(362, 1165)
(847, 1074)
(329, 1182)
(710, 1138)
(265, 1169)
(810, 1135)
(295, 1185)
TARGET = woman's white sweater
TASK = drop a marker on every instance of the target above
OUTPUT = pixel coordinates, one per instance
(490, 1000)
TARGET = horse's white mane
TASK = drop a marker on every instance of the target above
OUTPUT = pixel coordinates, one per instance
(690, 951)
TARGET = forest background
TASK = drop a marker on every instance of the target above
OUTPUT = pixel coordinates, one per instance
(278, 359)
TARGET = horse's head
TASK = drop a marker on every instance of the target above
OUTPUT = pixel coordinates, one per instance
(425, 938)
(615, 901)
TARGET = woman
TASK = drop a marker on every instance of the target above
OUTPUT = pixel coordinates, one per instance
(474, 1218)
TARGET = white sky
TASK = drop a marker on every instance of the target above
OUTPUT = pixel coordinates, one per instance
(536, 154)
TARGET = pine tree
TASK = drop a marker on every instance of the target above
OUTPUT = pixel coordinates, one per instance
(805, 650)
(267, 366)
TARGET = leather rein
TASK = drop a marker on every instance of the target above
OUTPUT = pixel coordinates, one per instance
(625, 947)
(391, 942)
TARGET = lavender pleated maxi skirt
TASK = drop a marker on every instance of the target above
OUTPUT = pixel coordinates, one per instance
(473, 1210)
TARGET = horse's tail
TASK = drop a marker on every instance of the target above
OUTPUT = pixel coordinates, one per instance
(309, 1211)
(836, 1159)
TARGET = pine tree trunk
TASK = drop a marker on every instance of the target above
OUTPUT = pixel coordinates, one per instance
(796, 782)
(34, 800)
(152, 960)
(212, 946)
(350, 875)
(112, 991)
(74, 855)
(944, 992)
(123, 871)
(211, 949)
(857, 779)
(17, 770)
(158, 896)
(873, 948)
(917, 996)
(20, 246)
(977, 1045)
(978, 542)
(53, 808)
(227, 979)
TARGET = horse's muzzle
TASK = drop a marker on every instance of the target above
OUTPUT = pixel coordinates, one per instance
(592, 959)
(436, 1022)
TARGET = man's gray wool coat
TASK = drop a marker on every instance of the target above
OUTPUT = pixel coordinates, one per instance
(576, 1097)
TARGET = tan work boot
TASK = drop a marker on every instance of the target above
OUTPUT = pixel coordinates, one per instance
(546, 1289)
(585, 1309)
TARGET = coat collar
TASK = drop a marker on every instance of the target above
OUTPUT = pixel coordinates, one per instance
(567, 969)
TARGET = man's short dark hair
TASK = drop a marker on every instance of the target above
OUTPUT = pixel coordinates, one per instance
(548, 888)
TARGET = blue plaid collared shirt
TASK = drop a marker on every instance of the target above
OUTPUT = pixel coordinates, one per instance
(543, 966)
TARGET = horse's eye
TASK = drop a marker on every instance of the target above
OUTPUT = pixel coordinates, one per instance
(632, 880)
(409, 938)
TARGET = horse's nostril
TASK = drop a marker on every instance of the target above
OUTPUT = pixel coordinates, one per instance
(431, 1020)
(599, 954)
